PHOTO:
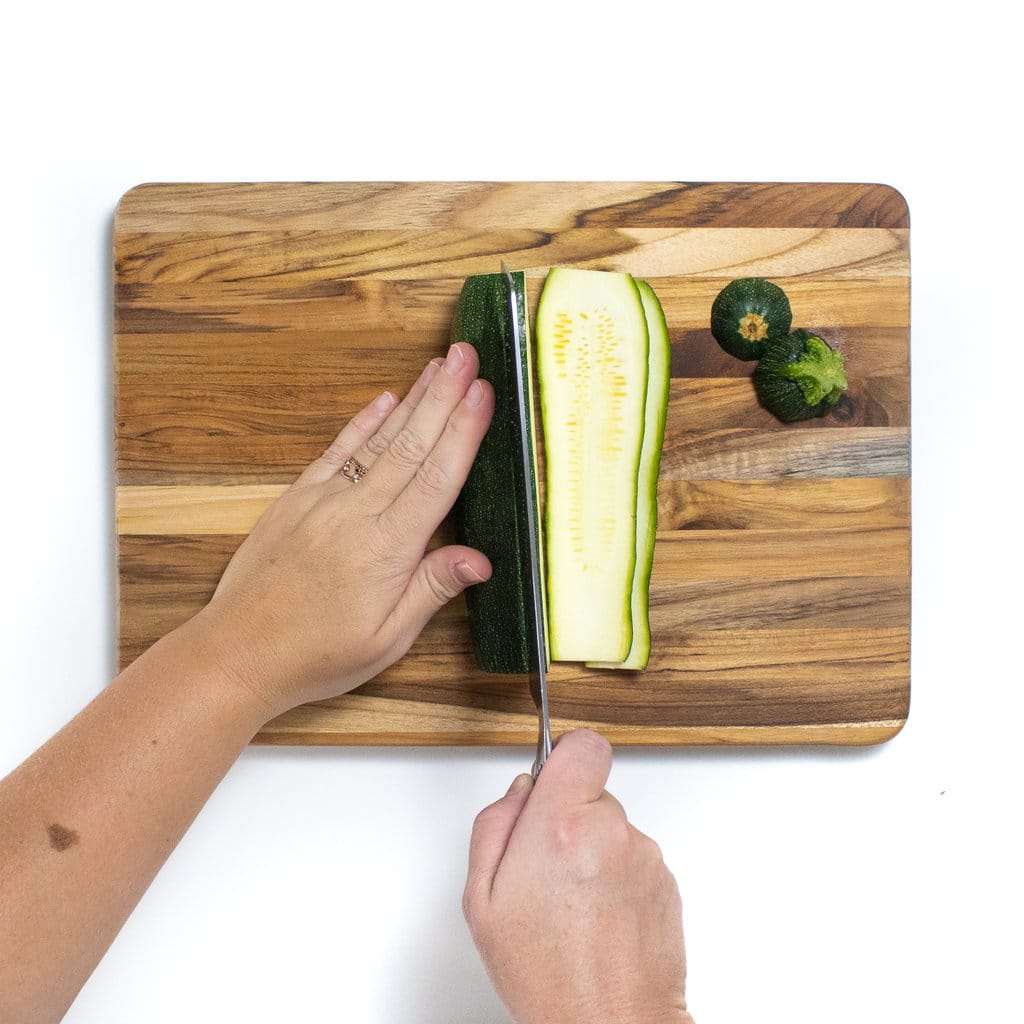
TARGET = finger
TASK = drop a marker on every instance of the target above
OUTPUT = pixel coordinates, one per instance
(576, 771)
(441, 575)
(415, 441)
(491, 832)
(432, 491)
(353, 435)
(374, 446)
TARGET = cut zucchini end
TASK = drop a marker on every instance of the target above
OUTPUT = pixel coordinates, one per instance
(489, 514)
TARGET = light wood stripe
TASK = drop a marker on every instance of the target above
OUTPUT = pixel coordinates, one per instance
(782, 554)
(788, 503)
(316, 206)
(192, 510)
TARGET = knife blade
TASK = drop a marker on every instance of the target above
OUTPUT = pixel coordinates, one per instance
(535, 598)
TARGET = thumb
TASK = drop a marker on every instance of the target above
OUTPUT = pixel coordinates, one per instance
(440, 576)
(491, 833)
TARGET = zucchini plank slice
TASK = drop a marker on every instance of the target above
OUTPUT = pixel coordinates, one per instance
(592, 345)
(489, 514)
(658, 375)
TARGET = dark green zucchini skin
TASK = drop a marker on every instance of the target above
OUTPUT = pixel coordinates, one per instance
(747, 314)
(488, 514)
(780, 394)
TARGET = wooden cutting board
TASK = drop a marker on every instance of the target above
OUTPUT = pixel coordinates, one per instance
(252, 320)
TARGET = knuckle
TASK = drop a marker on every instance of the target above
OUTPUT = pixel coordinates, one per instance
(334, 456)
(483, 820)
(408, 448)
(431, 479)
(439, 389)
(674, 897)
(476, 911)
(378, 443)
(469, 904)
(593, 743)
(580, 845)
(650, 851)
(441, 588)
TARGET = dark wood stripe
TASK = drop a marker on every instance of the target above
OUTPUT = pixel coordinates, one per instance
(721, 403)
(239, 356)
(348, 307)
(820, 504)
(739, 677)
(826, 451)
(869, 353)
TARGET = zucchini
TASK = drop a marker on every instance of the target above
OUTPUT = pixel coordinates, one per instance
(658, 376)
(799, 377)
(489, 514)
(592, 346)
(747, 314)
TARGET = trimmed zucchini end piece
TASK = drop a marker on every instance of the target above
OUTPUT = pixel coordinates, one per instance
(489, 514)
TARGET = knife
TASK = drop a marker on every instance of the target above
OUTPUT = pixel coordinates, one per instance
(535, 598)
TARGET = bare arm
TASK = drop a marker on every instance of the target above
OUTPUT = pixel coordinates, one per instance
(89, 819)
(331, 587)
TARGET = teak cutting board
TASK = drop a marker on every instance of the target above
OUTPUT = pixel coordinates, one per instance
(253, 319)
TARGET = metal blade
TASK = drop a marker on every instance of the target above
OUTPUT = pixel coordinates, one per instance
(538, 641)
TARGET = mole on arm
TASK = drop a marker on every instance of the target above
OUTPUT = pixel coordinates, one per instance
(61, 838)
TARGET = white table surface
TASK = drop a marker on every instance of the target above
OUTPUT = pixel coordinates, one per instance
(878, 884)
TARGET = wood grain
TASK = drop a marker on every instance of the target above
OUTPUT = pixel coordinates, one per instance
(252, 319)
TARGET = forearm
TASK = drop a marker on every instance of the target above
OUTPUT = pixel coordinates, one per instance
(88, 820)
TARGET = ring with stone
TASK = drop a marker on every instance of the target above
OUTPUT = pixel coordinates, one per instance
(353, 471)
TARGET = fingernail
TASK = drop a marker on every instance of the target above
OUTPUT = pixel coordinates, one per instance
(475, 394)
(455, 361)
(429, 370)
(465, 573)
(520, 783)
(383, 403)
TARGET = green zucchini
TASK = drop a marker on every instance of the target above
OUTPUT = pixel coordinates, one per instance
(747, 314)
(658, 376)
(489, 514)
(592, 354)
(799, 377)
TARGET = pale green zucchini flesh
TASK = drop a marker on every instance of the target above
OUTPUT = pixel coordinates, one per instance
(592, 363)
(658, 376)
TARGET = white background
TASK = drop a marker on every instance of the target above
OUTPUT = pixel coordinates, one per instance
(323, 884)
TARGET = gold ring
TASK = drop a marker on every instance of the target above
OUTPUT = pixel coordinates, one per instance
(353, 471)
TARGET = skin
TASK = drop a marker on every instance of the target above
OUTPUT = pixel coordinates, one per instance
(333, 584)
(573, 910)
